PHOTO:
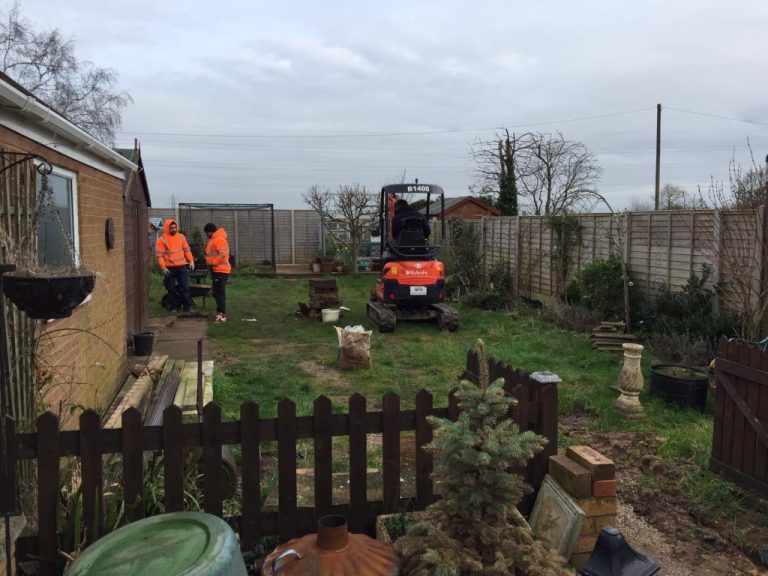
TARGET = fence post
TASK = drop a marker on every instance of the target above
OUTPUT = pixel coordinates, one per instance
(250, 439)
(212, 468)
(358, 465)
(391, 452)
(424, 488)
(323, 456)
(47, 492)
(173, 459)
(133, 464)
(286, 469)
(92, 485)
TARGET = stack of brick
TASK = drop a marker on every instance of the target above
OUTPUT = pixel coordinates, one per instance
(590, 478)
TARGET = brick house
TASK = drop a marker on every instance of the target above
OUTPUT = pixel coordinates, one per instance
(81, 359)
(465, 207)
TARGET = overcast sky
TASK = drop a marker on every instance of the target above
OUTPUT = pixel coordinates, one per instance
(254, 101)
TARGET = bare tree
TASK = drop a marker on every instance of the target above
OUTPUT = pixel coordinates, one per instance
(45, 64)
(351, 208)
(557, 176)
(673, 197)
(496, 170)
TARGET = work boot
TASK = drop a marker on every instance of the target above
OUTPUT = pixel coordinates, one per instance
(220, 317)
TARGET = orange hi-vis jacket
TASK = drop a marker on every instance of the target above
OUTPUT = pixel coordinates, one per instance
(217, 252)
(173, 250)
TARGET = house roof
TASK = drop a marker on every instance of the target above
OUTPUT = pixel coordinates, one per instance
(453, 203)
(134, 156)
(24, 113)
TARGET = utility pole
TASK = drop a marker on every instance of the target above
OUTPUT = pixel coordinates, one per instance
(658, 155)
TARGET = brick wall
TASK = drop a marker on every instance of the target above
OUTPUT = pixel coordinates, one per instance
(590, 478)
(468, 211)
(83, 357)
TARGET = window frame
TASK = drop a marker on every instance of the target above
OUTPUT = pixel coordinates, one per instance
(72, 177)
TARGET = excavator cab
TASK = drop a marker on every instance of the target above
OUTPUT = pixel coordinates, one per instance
(412, 281)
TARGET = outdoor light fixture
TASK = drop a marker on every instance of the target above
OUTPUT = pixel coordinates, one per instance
(612, 556)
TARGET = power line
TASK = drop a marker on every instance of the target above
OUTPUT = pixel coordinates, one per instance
(716, 116)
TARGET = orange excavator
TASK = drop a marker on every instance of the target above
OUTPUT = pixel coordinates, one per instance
(412, 281)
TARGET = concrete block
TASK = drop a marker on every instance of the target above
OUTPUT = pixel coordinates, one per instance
(575, 479)
(601, 467)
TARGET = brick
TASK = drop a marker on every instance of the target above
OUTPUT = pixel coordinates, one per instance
(575, 479)
(584, 544)
(600, 522)
(598, 506)
(604, 488)
(601, 467)
(588, 528)
(578, 560)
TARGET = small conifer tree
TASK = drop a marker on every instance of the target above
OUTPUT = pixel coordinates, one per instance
(473, 529)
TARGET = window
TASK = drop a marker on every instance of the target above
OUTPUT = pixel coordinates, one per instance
(57, 237)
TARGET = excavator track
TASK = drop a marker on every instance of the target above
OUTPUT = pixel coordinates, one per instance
(447, 318)
(382, 316)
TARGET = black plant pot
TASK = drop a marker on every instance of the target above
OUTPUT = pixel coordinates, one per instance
(680, 385)
(45, 297)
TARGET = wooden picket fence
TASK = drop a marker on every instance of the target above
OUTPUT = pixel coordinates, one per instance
(536, 410)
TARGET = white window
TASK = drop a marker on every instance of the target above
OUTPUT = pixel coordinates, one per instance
(58, 234)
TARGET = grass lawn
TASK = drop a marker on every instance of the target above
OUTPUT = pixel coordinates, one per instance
(267, 351)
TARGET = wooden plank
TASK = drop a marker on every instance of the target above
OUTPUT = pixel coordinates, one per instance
(761, 454)
(746, 415)
(391, 452)
(323, 456)
(48, 492)
(173, 459)
(751, 399)
(250, 527)
(92, 485)
(213, 481)
(133, 464)
(732, 353)
(358, 457)
(286, 465)
(424, 488)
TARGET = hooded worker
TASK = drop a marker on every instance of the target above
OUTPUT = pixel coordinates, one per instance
(217, 257)
(175, 260)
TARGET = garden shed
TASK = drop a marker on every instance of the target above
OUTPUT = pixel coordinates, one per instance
(138, 250)
(80, 359)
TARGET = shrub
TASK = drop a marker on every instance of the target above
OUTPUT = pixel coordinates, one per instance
(499, 291)
(571, 317)
(462, 257)
(599, 286)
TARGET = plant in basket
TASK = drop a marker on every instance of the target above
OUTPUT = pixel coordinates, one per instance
(50, 279)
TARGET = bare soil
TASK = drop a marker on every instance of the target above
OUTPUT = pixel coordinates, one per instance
(653, 517)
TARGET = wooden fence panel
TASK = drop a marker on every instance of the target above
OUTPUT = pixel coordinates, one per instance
(740, 434)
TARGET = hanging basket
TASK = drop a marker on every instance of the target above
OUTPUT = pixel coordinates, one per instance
(46, 297)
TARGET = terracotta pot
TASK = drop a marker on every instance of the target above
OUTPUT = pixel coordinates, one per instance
(332, 551)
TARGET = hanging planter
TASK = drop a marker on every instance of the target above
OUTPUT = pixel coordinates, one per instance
(45, 288)
(45, 297)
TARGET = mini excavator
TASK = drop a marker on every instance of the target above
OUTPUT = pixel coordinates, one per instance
(412, 281)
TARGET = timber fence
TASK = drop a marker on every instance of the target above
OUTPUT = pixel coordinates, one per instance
(536, 410)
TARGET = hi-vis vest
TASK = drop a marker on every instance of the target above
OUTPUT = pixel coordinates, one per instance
(217, 252)
(172, 250)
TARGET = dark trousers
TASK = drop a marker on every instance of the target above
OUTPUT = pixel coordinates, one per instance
(219, 291)
(177, 285)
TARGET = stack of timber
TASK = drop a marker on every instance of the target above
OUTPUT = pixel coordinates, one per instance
(610, 336)
(135, 391)
(322, 294)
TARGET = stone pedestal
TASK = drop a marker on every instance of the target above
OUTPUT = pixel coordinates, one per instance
(630, 383)
(17, 525)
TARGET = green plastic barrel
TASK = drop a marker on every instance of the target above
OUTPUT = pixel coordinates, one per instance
(176, 544)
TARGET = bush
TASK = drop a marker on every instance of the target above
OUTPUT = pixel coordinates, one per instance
(499, 292)
(599, 286)
(462, 257)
